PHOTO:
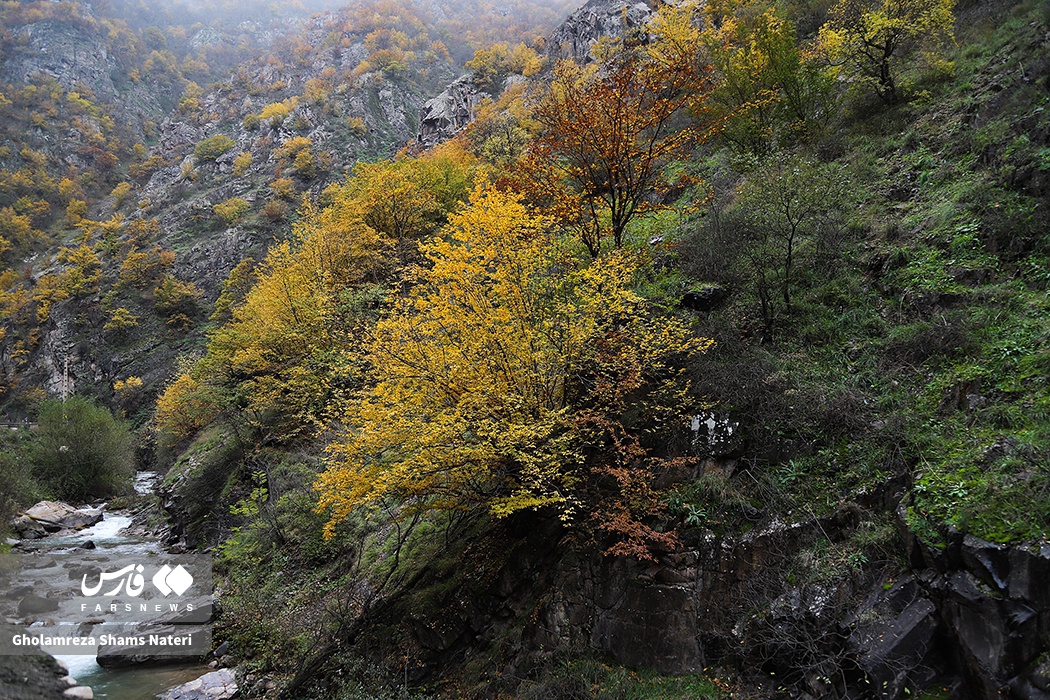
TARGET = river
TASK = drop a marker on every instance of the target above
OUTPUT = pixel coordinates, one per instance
(122, 683)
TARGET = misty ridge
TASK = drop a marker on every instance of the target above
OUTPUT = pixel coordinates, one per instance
(527, 18)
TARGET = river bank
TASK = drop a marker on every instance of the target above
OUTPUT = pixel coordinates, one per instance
(121, 535)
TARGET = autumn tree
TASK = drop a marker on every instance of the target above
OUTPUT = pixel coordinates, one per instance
(231, 210)
(607, 132)
(212, 147)
(494, 384)
(869, 38)
(16, 230)
(142, 269)
(120, 322)
(120, 193)
(83, 270)
(408, 198)
(276, 362)
(499, 133)
(76, 211)
(767, 86)
(177, 302)
(492, 65)
(242, 162)
(234, 289)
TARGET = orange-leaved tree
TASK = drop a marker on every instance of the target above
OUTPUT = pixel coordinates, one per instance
(608, 130)
(497, 383)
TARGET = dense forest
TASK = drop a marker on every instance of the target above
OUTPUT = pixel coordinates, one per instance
(707, 357)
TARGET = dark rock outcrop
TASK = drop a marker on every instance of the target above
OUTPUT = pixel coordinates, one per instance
(703, 299)
(973, 617)
(34, 675)
(596, 20)
(651, 621)
(445, 115)
(892, 637)
(994, 604)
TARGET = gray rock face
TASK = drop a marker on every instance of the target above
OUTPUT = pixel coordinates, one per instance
(75, 56)
(48, 517)
(994, 603)
(216, 685)
(892, 637)
(66, 53)
(595, 20)
(444, 116)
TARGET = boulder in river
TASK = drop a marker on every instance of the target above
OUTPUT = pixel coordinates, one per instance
(49, 517)
(157, 645)
(211, 686)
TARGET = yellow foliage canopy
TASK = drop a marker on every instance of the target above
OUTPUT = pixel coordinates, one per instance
(476, 373)
(869, 37)
(281, 356)
(274, 355)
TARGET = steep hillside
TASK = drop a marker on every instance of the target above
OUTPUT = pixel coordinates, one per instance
(843, 496)
(102, 153)
(709, 361)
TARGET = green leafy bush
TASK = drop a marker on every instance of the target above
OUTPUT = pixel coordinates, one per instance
(81, 451)
(17, 487)
(212, 147)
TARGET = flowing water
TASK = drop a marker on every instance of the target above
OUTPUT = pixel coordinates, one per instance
(122, 683)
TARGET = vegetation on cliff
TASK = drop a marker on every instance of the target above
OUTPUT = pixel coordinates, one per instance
(761, 265)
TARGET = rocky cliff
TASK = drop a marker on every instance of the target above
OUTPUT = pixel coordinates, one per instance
(971, 619)
(596, 20)
(100, 126)
(445, 115)
(77, 56)
(454, 108)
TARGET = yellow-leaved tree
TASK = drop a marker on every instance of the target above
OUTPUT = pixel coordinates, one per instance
(272, 361)
(497, 383)
(768, 87)
(869, 38)
(281, 357)
(409, 198)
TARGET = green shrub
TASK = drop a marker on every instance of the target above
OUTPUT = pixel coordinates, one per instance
(212, 147)
(81, 451)
(17, 487)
